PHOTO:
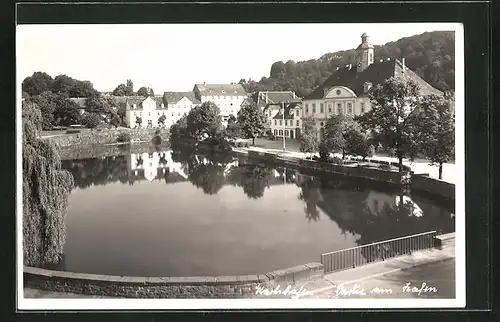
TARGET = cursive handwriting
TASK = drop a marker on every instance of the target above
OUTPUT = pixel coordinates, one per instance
(419, 290)
(343, 291)
(261, 290)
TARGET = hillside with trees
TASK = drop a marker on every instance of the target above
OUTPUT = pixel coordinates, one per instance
(431, 55)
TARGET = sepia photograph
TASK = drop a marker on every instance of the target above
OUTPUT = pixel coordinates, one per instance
(216, 166)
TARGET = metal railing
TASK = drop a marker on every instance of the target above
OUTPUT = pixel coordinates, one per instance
(365, 254)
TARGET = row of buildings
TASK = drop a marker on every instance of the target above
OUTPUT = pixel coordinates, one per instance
(344, 92)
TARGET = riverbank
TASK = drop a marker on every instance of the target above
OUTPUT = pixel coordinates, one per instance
(106, 136)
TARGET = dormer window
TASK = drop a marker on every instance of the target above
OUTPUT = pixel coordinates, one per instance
(223, 91)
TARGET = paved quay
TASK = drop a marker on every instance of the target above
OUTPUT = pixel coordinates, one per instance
(434, 267)
(418, 166)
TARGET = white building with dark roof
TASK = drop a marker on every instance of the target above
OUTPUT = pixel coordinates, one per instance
(145, 112)
(179, 104)
(228, 97)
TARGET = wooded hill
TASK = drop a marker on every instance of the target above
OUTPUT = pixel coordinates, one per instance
(431, 55)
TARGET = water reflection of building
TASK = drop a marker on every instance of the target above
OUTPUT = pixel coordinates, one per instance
(377, 202)
(155, 165)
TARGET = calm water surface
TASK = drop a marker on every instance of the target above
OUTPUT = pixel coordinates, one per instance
(176, 213)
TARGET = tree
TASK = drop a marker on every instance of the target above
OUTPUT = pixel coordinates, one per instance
(179, 129)
(358, 142)
(46, 188)
(130, 86)
(309, 138)
(123, 90)
(145, 92)
(47, 103)
(37, 83)
(336, 130)
(66, 112)
(204, 121)
(252, 122)
(393, 118)
(92, 120)
(437, 130)
(161, 120)
(233, 130)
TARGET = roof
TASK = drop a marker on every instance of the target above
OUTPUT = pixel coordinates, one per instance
(247, 102)
(220, 89)
(276, 97)
(376, 73)
(174, 97)
(288, 108)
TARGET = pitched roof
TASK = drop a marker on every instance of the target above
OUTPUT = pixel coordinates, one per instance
(174, 97)
(288, 110)
(134, 99)
(276, 97)
(376, 73)
(220, 89)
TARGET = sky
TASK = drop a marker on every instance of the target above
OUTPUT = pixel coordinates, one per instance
(174, 57)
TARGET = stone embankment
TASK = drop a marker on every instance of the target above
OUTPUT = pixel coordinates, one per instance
(105, 136)
(167, 287)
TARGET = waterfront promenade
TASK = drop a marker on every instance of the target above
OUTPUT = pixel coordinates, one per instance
(418, 166)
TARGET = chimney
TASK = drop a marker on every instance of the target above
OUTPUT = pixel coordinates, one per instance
(403, 63)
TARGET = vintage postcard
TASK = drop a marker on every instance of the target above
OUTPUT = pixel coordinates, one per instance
(219, 166)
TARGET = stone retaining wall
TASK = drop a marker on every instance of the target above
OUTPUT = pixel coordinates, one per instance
(436, 187)
(105, 136)
(99, 150)
(167, 287)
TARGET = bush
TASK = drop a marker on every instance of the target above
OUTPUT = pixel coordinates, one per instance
(384, 166)
(124, 137)
(323, 153)
(91, 121)
(337, 160)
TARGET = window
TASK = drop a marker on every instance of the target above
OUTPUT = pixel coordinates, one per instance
(275, 122)
(321, 107)
(314, 108)
(297, 113)
(286, 122)
(275, 132)
(349, 108)
(362, 107)
(286, 132)
(338, 92)
(321, 124)
(297, 122)
(281, 123)
(339, 108)
(149, 114)
(307, 110)
(280, 132)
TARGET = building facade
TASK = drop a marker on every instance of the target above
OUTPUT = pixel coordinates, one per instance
(346, 90)
(270, 103)
(229, 97)
(179, 104)
(145, 112)
(288, 124)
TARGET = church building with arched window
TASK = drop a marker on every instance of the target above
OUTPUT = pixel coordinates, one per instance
(346, 90)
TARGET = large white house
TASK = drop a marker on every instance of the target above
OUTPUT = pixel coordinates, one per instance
(346, 90)
(145, 111)
(228, 97)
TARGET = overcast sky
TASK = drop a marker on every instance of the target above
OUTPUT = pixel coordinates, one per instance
(174, 57)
